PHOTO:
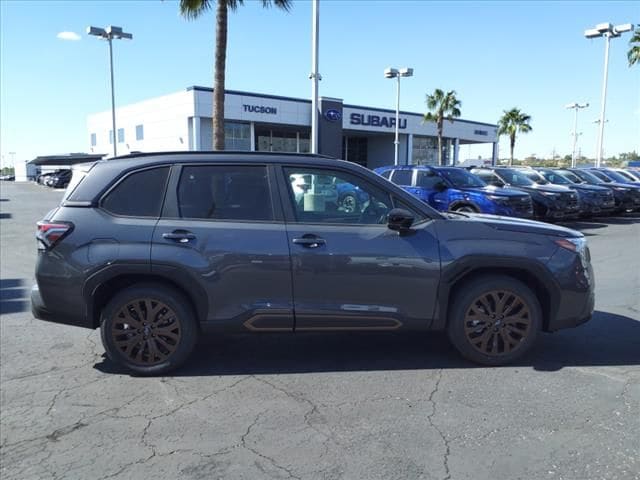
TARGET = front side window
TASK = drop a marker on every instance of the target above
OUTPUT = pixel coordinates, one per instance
(402, 177)
(140, 194)
(328, 196)
(427, 179)
(460, 178)
(225, 192)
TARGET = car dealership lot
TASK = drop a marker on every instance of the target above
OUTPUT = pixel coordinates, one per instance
(321, 406)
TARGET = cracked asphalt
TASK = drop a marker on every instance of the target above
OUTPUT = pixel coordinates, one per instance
(328, 406)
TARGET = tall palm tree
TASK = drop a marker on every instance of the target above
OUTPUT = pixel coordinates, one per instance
(634, 50)
(442, 106)
(192, 9)
(512, 122)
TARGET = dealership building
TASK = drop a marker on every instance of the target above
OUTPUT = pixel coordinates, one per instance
(270, 123)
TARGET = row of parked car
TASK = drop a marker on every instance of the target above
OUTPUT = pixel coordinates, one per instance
(526, 192)
(57, 179)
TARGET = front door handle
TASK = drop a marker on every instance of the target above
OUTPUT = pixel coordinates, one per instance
(309, 241)
(182, 236)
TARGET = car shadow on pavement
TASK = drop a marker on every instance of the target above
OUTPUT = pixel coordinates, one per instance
(13, 298)
(606, 340)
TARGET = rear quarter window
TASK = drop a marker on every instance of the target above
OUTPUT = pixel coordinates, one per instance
(139, 194)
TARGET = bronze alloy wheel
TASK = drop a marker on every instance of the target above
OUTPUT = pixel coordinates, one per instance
(146, 331)
(497, 322)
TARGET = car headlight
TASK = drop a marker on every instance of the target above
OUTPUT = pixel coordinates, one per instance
(498, 199)
(577, 245)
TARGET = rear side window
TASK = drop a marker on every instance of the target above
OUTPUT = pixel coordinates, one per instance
(402, 177)
(225, 192)
(386, 174)
(139, 194)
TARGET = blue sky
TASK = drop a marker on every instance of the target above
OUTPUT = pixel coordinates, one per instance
(496, 55)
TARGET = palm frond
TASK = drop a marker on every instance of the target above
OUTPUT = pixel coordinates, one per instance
(192, 9)
(281, 4)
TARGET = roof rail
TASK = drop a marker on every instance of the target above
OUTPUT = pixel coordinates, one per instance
(216, 152)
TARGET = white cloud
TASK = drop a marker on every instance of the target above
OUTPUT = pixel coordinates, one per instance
(68, 36)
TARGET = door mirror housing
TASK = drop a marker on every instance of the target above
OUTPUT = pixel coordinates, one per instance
(496, 183)
(400, 220)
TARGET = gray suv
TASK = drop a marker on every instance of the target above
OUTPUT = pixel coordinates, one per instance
(155, 249)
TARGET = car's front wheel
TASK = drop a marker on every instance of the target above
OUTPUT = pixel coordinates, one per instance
(465, 209)
(494, 320)
(148, 329)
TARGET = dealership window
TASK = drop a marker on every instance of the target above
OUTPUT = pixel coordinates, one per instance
(94, 139)
(424, 151)
(281, 140)
(121, 135)
(110, 137)
(139, 132)
(237, 136)
(354, 149)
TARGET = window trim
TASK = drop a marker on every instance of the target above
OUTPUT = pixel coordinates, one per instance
(171, 210)
(103, 197)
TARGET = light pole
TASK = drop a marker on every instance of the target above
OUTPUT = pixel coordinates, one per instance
(109, 34)
(314, 76)
(576, 106)
(397, 73)
(608, 31)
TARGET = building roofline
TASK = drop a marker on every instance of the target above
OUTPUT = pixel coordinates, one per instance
(295, 99)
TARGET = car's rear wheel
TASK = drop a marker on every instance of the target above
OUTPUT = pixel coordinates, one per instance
(148, 329)
(494, 320)
(465, 209)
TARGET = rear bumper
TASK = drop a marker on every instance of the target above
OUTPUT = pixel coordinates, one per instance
(41, 312)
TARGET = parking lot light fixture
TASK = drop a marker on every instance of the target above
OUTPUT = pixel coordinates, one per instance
(109, 34)
(576, 106)
(608, 31)
(397, 73)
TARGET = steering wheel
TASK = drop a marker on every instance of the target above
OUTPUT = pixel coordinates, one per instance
(375, 213)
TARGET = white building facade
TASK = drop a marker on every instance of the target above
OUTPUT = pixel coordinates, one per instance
(257, 122)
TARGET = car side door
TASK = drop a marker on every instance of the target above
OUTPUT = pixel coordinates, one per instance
(222, 231)
(350, 271)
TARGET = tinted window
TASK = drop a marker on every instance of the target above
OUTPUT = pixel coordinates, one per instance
(386, 174)
(140, 194)
(514, 177)
(328, 196)
(588, 177)
(225, 193)
(461, 178)
(402, 177)
(555, 178)
(427, 179)
(601, 176)
(572, 177)
(616, 176)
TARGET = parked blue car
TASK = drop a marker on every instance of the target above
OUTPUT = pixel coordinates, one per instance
(455, 189)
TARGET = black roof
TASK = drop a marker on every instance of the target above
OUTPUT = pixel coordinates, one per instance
(66, 159)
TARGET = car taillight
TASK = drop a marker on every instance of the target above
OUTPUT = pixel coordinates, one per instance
(50, 233)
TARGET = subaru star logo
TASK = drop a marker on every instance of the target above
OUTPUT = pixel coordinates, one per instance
(333, 115)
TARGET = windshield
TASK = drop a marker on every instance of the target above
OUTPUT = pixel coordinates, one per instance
(535, 176)
(616, 176)
(571, 176)
(605, 178)
(589, 177)
(460, 178)
(556, 178)
(514, 177)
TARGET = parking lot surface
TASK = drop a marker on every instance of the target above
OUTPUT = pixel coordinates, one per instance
(326, 406)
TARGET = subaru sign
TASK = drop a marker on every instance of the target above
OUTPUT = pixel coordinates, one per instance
(376, 121)
(333, 115)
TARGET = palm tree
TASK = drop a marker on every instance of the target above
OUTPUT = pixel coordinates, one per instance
(634, 51)
(442, 106)
(512, 122)
(192, 9)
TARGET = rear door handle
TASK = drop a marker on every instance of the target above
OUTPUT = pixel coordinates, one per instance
(181, 236)
(309, 241)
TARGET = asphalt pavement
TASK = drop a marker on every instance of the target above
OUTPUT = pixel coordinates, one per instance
(323, 406)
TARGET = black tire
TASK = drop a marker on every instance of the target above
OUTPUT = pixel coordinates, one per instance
(502, 341)
(465, 208)
(157, 344)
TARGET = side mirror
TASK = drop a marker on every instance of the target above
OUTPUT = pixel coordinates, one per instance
(440, 187)
(400, 220)
(496, 183)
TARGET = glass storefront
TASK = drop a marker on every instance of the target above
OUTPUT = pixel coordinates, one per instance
(237, 136)
(425, 151)
(354, 149)
(281, 140)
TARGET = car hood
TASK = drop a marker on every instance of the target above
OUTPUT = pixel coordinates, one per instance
(521, 225)
(491, 190)
(630, 186)
(590, 188)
